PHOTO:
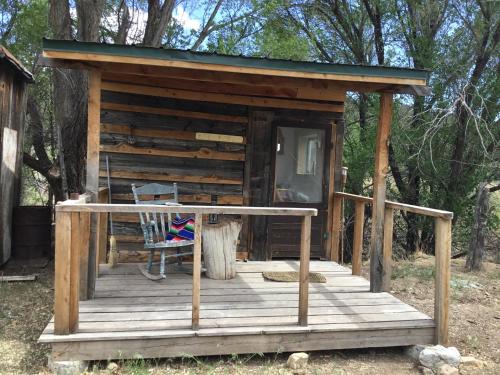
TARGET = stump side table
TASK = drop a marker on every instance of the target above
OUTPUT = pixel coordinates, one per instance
(220, 242)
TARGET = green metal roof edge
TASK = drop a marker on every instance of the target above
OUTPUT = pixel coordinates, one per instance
(240, 61)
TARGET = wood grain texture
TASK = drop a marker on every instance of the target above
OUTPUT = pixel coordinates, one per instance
(195, 313)
(387, 249)
(357, 246)
(443, 279)
(173, 112)
(222, 98)
(305, 251)
(379, 192)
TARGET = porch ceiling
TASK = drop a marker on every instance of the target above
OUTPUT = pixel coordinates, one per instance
(250, 72)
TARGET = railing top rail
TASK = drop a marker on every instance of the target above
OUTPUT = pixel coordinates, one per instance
(71, 206)
(401, 206)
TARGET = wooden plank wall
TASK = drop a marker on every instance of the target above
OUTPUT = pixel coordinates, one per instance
(12, 113)
(152, 139)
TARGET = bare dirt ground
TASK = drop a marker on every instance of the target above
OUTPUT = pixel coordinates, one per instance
(26, 307)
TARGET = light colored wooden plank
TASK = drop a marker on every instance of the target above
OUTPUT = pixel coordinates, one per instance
(102, 229)
(173, 112)
(219, 138)
(387, 249)
(357, 246)
(195, 314)
(219, 210)
(17, 278)
(62, 277)
(336, 228)
(81, 229)
(107, 58)
(222, 98)
(93, 132)
(305, 253)
(432, 212)
(379, 193)
(443, 277)
(202, 153)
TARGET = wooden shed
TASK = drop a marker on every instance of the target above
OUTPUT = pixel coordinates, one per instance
(13, 83)
(263, 139)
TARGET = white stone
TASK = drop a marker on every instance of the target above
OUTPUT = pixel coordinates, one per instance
(297, 361)
(67, 367)
(414, 351)
(446, 369)
(471, 362)
(435, 356)
(425, 370)
(112, 366)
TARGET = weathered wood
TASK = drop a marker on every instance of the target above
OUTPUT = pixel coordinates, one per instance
(190, 198)
(357, 245)
(102, 232)
(66, 276)
(171, 134)
(173, 112)
(432, 212)
(379, 185)
(202, 153)
(108, 58)
(222, 98)
(7, 279)
(92, 178)
(443, 278)
(195, 314)
(80, 227)
(171, 177)
(220, 242)
(387, 249)
(337, 185)
(235, 84)
(305, 248)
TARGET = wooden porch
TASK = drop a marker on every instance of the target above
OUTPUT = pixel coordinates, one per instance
(244, 315)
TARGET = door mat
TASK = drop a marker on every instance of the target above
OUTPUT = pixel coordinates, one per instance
(314, 277)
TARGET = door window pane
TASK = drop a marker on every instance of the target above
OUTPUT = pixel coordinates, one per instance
(299, 165)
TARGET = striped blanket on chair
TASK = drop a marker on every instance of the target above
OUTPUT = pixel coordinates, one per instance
(181, 229)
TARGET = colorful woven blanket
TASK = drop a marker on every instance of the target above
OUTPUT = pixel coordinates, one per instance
(181, 229)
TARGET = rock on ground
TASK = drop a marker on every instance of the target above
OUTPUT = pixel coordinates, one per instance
(435, 356)
(297, 361)
(67, 367)
(471, 362)
(447, 370)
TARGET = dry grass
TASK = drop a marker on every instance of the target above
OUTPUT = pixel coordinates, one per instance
(25, 309)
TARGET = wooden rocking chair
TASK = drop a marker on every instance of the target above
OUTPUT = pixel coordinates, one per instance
(155, 228)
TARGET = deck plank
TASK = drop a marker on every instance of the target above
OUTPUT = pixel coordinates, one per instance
(149, 317)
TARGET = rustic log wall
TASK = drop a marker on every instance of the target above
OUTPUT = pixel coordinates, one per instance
(12, 113)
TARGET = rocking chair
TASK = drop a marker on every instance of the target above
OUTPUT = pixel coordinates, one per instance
(156, 229)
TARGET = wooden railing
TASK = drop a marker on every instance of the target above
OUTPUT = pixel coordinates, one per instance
(442, 252)
(71, 252)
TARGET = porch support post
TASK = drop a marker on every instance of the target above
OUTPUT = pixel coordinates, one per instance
(92, 181)
(357, 246)
(379, 185)
(305, 251)
(67, 273)
(336, 203)
(195, 320)
(442, 252)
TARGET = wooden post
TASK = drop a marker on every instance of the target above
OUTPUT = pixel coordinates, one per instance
(337, 202)
(102, 231)
(92, 182)
(305, 250)
(196, 271)
(387, 250)
(379, 184)
(357, 246)
(337, 228)
(66, 277)
(442, 298)
(81, 230)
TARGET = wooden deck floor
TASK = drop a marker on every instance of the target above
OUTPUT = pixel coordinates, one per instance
(132, 315)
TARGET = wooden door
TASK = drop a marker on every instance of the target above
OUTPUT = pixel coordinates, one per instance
(300, 178)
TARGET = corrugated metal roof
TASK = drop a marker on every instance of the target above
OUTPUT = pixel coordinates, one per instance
(233, 60)
(9, 57)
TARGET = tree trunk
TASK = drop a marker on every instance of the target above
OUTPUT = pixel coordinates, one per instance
(476, 244)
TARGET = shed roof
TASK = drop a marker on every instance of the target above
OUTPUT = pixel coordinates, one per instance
(6, 55)
(394, 78)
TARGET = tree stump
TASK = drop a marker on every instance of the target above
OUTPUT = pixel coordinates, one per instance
(220, 242)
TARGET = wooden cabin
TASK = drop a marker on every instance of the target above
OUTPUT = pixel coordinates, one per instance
(14, 78)
(263, 140)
